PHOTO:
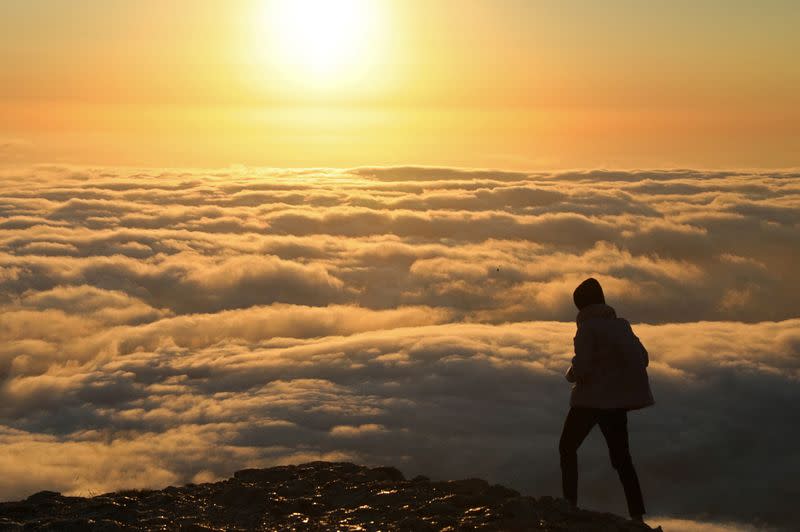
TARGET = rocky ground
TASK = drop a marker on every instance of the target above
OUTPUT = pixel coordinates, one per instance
(312, 496)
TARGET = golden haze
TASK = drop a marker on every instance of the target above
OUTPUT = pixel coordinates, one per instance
(514, 85)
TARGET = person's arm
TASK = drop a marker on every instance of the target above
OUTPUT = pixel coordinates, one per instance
(582, 361)
(645, 355)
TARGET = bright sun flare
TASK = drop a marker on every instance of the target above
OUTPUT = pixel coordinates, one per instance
(324, 42)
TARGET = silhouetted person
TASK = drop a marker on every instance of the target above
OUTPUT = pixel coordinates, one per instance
(610, 377)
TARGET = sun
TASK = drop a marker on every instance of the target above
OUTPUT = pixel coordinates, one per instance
(324, 43)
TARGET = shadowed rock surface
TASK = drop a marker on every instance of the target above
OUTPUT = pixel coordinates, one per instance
(311, 496)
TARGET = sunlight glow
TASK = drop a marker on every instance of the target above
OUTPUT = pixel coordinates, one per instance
(324, 43)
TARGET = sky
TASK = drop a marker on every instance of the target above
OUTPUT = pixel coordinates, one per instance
(512, 84)
(249, 233)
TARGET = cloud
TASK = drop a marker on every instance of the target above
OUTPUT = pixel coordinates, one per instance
(347, 431)
(688, 525)
(185, 324)
(441, 400)
(425, 173)
(324, 219)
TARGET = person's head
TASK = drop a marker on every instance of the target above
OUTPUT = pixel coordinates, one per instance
(589, 292)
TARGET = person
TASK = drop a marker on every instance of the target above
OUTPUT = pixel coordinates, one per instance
(609, 376)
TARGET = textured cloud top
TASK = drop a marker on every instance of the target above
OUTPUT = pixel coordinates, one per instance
(172, 326)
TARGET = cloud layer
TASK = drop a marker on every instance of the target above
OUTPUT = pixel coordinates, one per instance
(174, 326)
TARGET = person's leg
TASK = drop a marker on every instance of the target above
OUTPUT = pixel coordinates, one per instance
(576, 427)
(614, 424)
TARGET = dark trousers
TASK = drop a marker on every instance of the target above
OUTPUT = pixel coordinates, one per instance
(614, 424)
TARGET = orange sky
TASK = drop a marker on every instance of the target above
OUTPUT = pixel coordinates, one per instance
(513, 84)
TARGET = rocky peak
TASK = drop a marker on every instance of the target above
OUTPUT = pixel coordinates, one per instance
(311, 496)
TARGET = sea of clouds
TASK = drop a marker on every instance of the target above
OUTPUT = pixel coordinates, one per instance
(173, 326)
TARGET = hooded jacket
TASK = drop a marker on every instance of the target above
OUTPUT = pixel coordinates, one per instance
(609, 369)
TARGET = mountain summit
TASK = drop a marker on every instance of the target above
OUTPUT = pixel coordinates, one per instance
(311, 496)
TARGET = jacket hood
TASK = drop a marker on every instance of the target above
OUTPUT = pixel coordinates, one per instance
(589, 292)
(597, 310)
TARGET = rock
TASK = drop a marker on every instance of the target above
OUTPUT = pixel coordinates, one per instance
(562, 505)
(9, 525)
(196, 527)
(236, 494)
(386, 473)
(266, 476)
(469, 486)
(520, 508)
(296, 488)
(44, 497)
(347, 497)
(311, 496)
(437, 508)
(498, 493)
(158, 523)
(414, 523)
